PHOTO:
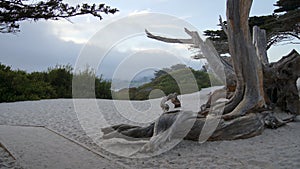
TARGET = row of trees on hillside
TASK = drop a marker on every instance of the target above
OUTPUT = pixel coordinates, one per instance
(18, 85)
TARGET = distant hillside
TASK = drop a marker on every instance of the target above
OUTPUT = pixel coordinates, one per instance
(165, 82)
(118, 84)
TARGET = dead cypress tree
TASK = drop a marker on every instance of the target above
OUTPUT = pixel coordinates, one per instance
(255, 88)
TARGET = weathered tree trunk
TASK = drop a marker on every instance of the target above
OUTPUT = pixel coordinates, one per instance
(259, 88)
(249, 92)
(280, 85)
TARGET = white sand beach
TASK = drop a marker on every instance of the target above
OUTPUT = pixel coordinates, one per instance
(81, 120)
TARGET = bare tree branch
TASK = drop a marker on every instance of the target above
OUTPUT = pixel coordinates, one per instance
(168, 40)
(14, 11)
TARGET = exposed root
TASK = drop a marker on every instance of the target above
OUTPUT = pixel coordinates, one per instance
(128, 132)
(272, 121)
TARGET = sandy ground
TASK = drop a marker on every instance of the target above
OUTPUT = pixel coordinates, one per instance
(82, 119)
(38, 147)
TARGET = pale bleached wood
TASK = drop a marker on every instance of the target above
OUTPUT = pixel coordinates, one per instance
(249, 74)
(260, 43)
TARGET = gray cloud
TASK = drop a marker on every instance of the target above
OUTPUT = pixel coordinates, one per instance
(36, 49)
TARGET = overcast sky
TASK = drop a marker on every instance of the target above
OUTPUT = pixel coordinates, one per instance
(44, 44)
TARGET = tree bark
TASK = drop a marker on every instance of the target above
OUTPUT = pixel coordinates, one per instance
(249, 92)
(280, 85)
